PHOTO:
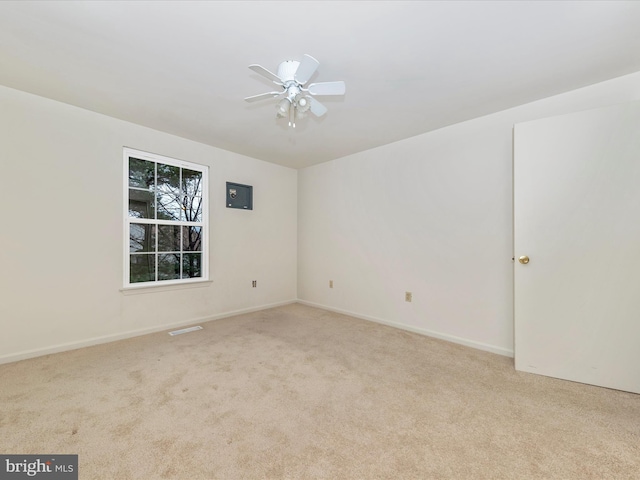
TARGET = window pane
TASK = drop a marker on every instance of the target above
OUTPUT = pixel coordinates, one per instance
(142, 268)
(142, 238)
(168, 266)
(169, 175)
(141, 173)
(168, 238)
(169, 208)
(191, 183)
(141, 204)
(168, 192)
(193, 209)
(191, 265)
(191, 239)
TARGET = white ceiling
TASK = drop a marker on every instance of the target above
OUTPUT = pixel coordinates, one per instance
(410, 67)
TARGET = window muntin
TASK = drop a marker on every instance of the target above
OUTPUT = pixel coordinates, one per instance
(166, 220)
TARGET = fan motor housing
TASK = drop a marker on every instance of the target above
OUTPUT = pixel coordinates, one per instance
(287, 70)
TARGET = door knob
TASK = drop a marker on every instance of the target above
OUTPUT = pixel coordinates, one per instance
(523, 259)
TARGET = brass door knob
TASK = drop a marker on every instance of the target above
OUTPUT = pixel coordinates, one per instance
(523, 259)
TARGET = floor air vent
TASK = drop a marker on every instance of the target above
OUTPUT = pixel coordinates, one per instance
(185, 330)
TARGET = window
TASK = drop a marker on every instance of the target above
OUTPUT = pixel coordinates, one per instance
(165, 220)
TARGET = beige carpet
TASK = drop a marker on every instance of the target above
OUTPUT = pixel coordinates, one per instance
(300, 393)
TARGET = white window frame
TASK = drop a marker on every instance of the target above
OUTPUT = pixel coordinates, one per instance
(204, 224)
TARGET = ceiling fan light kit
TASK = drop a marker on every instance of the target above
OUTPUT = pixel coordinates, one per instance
(292, 77)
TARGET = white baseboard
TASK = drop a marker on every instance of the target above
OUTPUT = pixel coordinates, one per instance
(63, 347)
(429, 333)
(14, 357)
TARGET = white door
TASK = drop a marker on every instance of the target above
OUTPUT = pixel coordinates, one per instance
(577, 218)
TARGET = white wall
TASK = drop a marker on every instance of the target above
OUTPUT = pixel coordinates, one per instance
(61, 250)
(431, 215)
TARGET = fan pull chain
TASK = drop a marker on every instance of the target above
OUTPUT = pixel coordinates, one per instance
(292, 115)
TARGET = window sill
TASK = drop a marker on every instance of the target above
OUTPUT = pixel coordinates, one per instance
(164, 288)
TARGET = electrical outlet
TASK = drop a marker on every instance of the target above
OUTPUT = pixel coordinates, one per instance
(254, 283)
(408, 296)
(330, 283)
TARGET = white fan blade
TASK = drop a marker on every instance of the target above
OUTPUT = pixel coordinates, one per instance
(316, 107)
(306, 69)
(327, 88)
(262, 96)
(266, 73)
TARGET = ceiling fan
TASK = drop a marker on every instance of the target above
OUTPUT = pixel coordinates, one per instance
(297, 99)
